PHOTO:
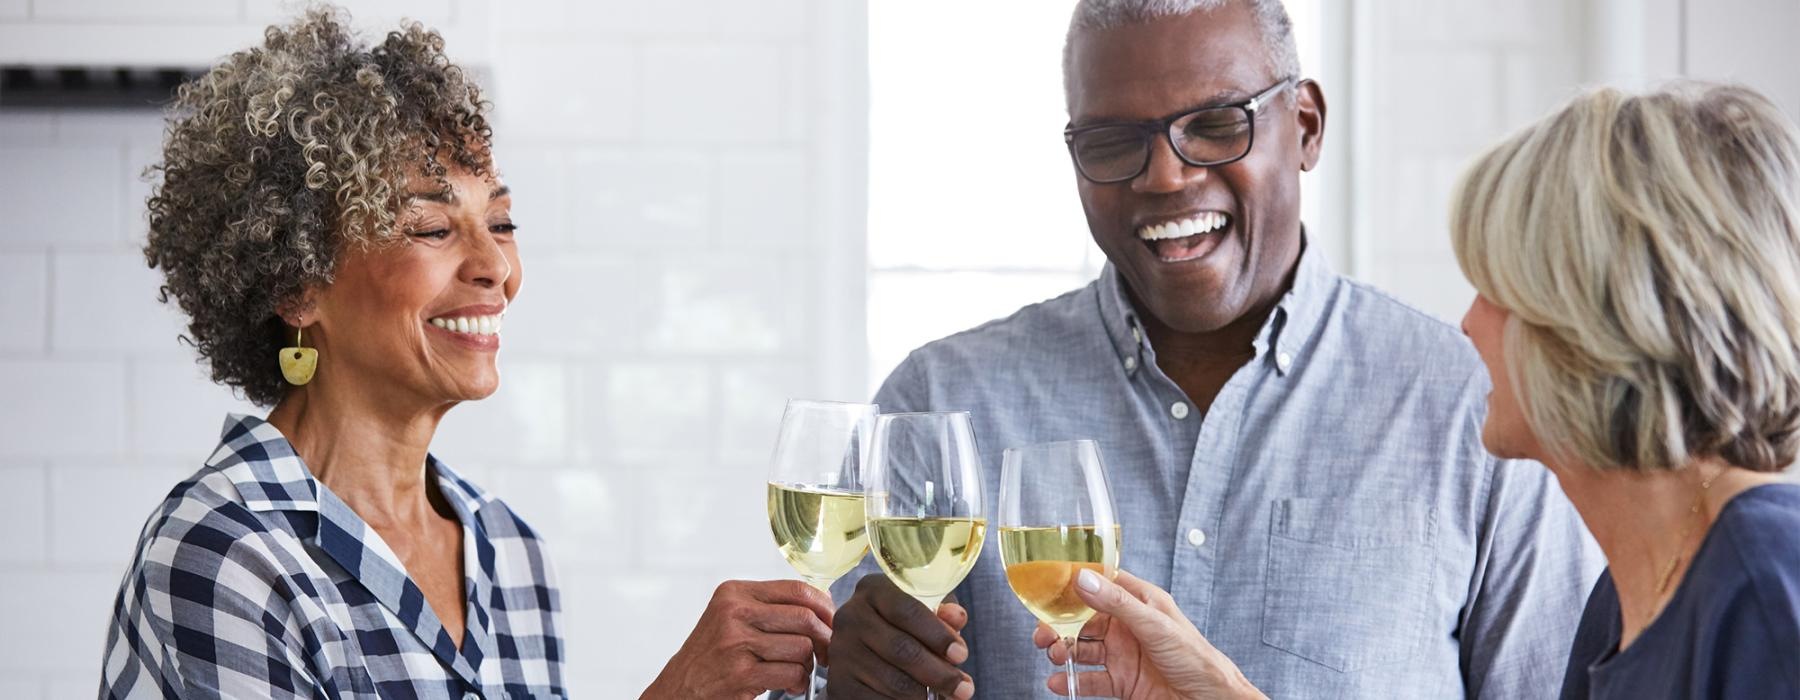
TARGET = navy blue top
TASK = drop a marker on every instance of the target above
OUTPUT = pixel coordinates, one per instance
(1731, 631)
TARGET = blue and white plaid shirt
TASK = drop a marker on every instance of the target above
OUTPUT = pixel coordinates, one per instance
(253, 580)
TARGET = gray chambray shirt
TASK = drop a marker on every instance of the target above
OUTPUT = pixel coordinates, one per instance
(1332, 525)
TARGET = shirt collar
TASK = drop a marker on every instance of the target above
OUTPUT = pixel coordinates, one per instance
(269, 476)
(1286, 330)
(262, 464)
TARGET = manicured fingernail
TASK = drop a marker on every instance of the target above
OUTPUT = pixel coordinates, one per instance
(965, 691)
(1089, 581)
(958, 653)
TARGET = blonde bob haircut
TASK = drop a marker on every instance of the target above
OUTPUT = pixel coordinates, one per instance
(1648, 249)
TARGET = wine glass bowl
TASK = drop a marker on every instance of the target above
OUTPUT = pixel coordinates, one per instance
(927, 517)
(816, 510)
(1056, 519)
(819, 531)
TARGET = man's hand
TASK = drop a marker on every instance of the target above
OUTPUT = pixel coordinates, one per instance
(755, 636)
(889, 646)
(1149, 648)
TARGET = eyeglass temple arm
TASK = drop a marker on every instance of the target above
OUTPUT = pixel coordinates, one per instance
(1258, 101)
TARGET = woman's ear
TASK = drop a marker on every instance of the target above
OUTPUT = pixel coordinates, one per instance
(301, 310)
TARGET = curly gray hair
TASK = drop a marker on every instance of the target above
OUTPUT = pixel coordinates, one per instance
(282, 155)
(1272, 22)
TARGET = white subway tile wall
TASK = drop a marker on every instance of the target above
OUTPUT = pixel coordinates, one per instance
(24, 299)
(1444, 81)
(56, 620)
(741, 104)
(88, 533)
(141, 10)
(59, 408)
(81, 180)
(26, 517)
(98, 303)
(663, 158)
(382, 13)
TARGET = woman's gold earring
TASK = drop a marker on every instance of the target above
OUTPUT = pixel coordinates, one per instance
(298, 363)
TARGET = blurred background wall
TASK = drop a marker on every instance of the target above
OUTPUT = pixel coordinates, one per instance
(724, 203)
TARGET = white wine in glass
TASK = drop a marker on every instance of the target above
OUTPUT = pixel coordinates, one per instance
(815, 490)
(927, 517)
(928, 557)
(820, 531)
(1056, 519)
(1042, 563)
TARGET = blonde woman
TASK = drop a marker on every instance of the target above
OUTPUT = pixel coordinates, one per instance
(1637, 263)
(1637, 260)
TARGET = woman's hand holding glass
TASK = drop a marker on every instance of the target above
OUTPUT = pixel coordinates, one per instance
(1148, 648)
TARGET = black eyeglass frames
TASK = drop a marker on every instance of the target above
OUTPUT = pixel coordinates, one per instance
(1213, 135)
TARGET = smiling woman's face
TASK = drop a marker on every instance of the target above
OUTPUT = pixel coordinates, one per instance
(419, 320)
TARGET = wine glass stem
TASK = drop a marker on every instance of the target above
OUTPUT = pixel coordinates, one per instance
(812, 676)
(1069, 665)
(932, 604)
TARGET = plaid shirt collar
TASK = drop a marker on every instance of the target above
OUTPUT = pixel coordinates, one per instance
(269, 476)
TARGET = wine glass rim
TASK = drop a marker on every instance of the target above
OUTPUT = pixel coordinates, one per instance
(829, 402)
(815, 488)
(1053, 443)
(908, 414)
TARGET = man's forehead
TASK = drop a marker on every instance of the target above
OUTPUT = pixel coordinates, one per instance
(1187, 59)
(1146, 83)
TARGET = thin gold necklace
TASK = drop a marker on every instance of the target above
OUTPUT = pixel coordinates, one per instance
(1668, 573)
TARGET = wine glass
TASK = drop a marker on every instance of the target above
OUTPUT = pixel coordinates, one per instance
(815, 490)
(927, 517)
(1056, 519)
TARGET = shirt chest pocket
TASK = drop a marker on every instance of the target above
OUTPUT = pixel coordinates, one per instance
(1349, 580)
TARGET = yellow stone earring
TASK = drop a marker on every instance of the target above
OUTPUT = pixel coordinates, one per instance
(298, 363)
